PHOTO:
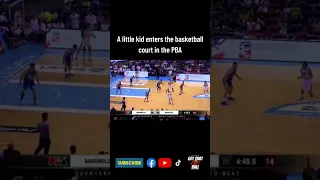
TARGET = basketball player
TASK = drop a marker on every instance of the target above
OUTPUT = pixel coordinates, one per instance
(28, 77)
(131, 80)
(307, 75)
(67, 60)
(137, 75)
(124, 104)
(170, 86)
(205, 86)
(181, 87)
(159, 85)
(169, 96)
(227, 82)
(174, 77)
(119, 88)
(186, 77)
(86, 38)
(146, 99)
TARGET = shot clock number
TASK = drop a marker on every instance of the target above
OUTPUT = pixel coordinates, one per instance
(269, 161)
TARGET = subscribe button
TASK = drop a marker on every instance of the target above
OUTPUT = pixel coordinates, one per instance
(129, 162)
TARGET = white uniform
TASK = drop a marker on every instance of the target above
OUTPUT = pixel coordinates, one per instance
(86, 38)
(170, 85)
(169, 95)
(307, 81)
(205, 86)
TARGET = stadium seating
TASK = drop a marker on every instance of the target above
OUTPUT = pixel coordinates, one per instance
(284, 19)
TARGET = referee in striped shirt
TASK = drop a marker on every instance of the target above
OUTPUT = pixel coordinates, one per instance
(44, 135)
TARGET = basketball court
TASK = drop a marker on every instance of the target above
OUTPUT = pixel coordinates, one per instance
(78, 106)
(193, 97)
(266, 117)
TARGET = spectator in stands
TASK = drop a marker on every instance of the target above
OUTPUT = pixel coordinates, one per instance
(105, 26)
(55, 16)
(61, 25)
(100, 20)
(73, 149)
(27, 29)
(74, 17)
(3, 17)
(10, 151)
(283, 29)
(316, 27)
(43, 28)
(35, 24)
(91, 20)
(86, 4)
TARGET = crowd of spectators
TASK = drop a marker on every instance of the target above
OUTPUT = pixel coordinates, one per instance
(239, 17)
(285, 19)
(163, 66)
(32, 26)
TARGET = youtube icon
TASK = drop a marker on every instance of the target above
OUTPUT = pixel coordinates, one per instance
(164, 162)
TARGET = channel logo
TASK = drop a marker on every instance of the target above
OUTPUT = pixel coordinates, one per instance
(129, 163)
(151, 163)
(164, 162)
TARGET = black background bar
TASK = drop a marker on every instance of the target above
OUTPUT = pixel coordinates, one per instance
(160, 19)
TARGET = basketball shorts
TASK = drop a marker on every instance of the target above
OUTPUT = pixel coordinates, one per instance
(28, 84)
(227, 83)
(306, 85)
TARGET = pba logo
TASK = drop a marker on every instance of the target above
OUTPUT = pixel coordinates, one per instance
(58, 161)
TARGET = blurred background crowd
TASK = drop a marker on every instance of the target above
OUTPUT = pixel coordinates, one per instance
(30, 20)
(285, 19)
(161, 67)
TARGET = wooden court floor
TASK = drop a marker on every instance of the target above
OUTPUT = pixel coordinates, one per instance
(243, 127)
(89, 132)
(159, 100)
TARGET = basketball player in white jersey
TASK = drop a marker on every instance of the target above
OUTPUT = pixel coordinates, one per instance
(186, 78)
(86, 41)
(170, 86)
(307, 75)
(169, 96)
(205, 87)
(137, 75)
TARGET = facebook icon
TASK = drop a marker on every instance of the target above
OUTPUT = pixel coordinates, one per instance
(151, 163)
